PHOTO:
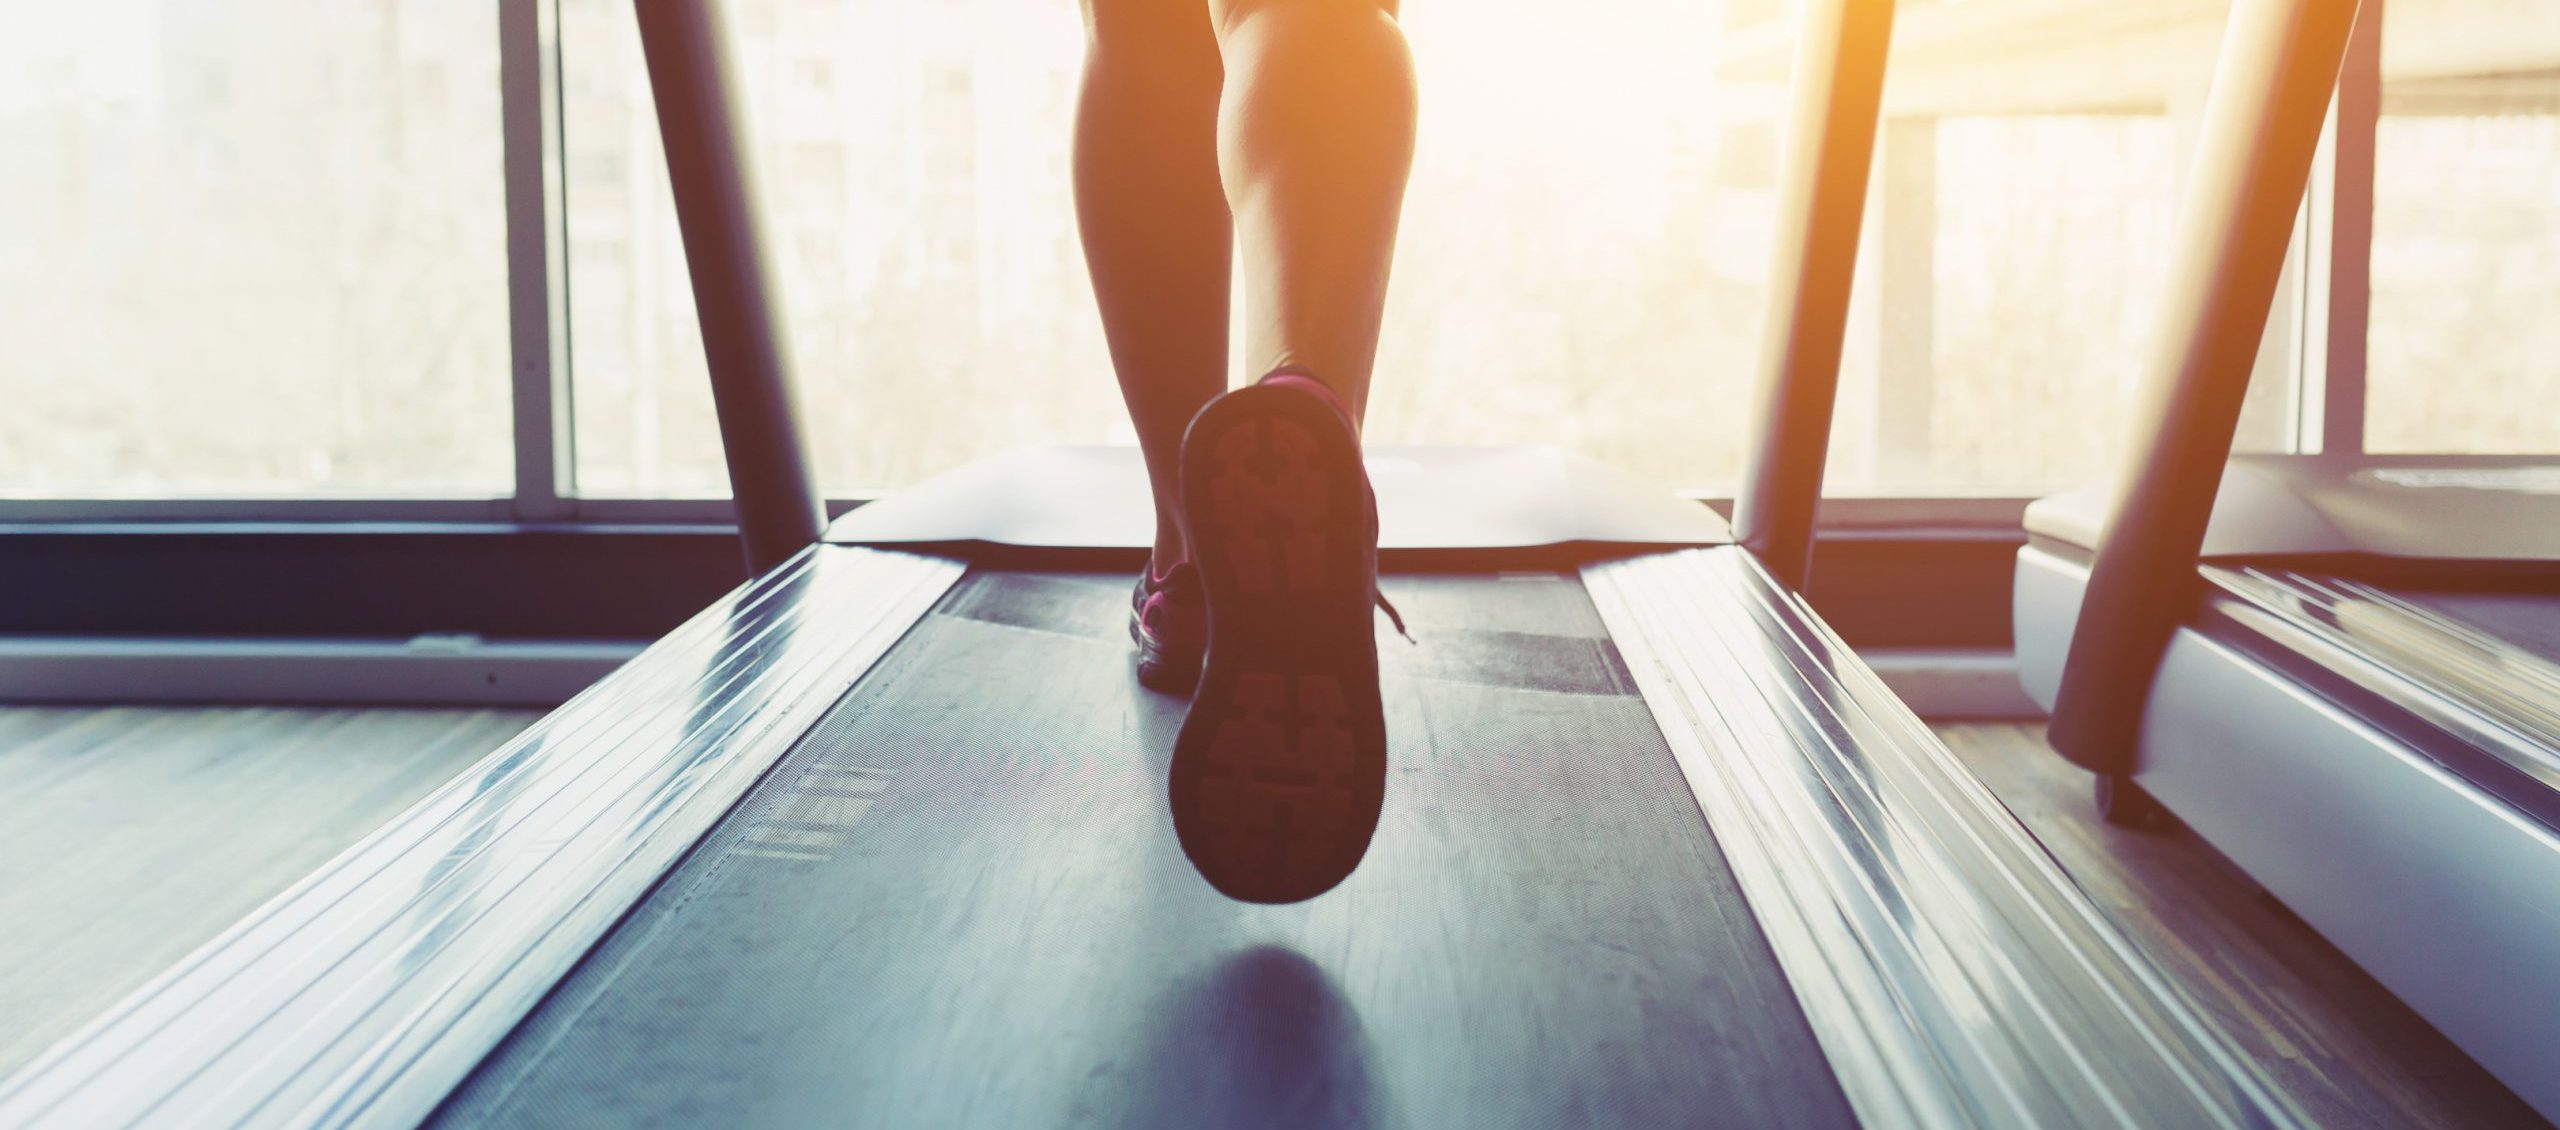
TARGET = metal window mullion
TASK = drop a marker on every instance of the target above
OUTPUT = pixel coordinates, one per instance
(537, 269)
(2311, 331)
(2335, 299)
(2345, 289)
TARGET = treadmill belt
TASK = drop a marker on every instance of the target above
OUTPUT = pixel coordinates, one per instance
(2528, 621)
(959, 902)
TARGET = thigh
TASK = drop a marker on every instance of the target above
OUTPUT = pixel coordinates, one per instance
(1225, 13)
(1118, 20)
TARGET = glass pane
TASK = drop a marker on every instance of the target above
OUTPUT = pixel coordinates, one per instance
(912, 159)
(2022, 209)
(252, 248)
(1580, 260)
(1584, 251)
(2003, 311)
(2464, 344)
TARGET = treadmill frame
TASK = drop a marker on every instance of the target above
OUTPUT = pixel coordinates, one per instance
(2294, 752)
(1972, 1000)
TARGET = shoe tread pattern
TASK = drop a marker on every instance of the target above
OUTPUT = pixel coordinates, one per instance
(1280, 767)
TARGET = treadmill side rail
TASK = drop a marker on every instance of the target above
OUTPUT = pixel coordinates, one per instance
(2499, 698)
(1952, 973)
(368, 990)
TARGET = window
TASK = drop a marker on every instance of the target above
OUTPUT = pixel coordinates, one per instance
(1579, 262)
(921, 236)
(261, 250)
(1582, 259)
(2020, 217)
(2464, 344)
(253, 248)
(935, 289)
(2008, 284)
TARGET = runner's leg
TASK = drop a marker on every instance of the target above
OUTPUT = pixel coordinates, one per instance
(1153, 217)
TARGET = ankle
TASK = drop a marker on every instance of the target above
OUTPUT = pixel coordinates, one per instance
(1305, 380)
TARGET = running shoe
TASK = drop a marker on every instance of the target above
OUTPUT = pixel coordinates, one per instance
(1281, 765)
(1170, 627)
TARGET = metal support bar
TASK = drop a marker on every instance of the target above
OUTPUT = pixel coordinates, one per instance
(537, 273)
(2262, 125)
(742, 332)
(1822, 193)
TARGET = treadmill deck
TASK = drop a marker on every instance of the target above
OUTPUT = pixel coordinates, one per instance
(959, 901)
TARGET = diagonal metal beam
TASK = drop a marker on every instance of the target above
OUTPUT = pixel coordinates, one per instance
(742, 331)
(2262, 127)
(1822, 196)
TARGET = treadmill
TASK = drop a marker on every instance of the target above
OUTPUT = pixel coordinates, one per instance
(2341, 670)
(879, 838)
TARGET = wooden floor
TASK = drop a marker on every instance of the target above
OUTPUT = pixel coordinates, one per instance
(2333, 1038)
(130, 835)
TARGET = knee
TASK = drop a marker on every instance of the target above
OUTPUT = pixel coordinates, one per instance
(1231, 15)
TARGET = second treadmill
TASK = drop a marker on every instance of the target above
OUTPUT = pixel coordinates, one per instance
(2337, 668)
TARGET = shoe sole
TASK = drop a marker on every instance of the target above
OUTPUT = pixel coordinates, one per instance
(1280, 766)
(1158, 673)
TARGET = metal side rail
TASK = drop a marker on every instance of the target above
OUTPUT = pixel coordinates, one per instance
(1953, 975)
(2494, 696)
(367, 991)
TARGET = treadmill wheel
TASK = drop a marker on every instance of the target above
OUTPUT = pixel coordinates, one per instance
(2125, 804)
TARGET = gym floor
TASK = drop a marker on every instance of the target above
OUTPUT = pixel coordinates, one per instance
(136, 833)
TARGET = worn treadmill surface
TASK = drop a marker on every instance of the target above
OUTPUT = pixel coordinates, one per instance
(959, 901)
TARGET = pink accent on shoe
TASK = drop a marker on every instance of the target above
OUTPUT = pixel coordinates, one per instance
(1169, 624)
